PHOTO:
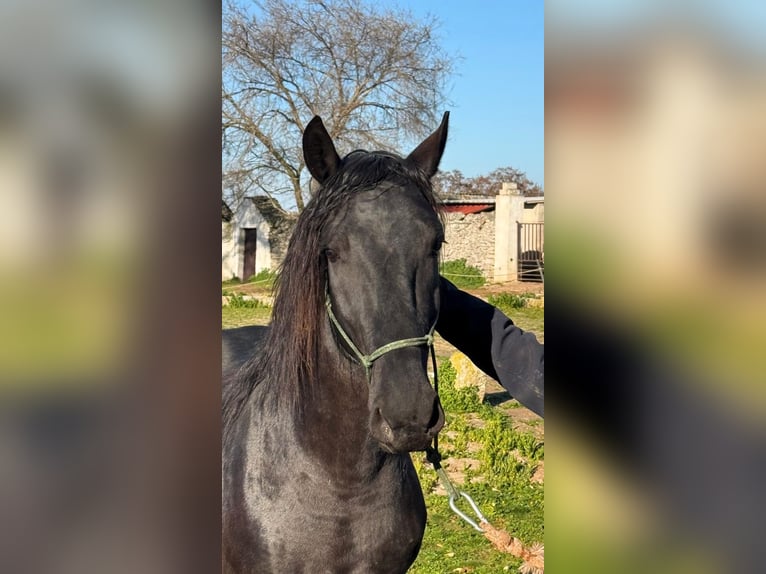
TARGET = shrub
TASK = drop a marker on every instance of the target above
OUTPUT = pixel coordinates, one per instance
(454, 400)
(265, 278)
(237, 301)
(507, 301)
(464, 276)
(499, 439)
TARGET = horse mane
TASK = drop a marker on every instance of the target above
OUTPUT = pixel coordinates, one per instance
(289, 354)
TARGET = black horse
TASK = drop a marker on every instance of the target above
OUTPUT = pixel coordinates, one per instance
(317, 475)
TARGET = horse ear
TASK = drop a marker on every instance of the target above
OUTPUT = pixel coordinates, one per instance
(319, 152)
(429, 153)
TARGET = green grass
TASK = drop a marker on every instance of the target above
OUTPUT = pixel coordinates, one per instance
(450, 545)
(501, 486)
(264, 279)
(454, 400)
(237, 300)
(529, 319)
(464, 276)
(242, 311)
(240, 316)
(508, 301)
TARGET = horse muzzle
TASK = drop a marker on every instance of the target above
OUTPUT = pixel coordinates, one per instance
(408, 436)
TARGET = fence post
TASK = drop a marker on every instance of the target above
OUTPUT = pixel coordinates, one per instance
(509, 210)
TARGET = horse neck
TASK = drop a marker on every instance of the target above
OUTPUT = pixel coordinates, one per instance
(336, 420)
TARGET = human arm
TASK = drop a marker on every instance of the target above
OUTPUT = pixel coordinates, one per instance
(489, 338)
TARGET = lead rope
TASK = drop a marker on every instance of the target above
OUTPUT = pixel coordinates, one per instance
(533, 556)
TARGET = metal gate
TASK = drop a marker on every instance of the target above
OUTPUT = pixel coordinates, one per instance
(531, 241)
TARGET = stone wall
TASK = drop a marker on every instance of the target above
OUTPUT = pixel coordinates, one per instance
(471, 237)
(279, 237)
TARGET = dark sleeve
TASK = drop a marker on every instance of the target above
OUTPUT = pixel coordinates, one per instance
(489, 338)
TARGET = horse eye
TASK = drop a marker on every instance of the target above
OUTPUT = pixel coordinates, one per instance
(331, 255)
(437, 247)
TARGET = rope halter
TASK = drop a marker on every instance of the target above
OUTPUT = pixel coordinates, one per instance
(368, 360)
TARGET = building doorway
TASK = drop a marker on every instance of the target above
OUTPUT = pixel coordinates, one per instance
(248, 267)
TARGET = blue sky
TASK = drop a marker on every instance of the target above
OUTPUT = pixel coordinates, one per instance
(497, 95)
(496, 119)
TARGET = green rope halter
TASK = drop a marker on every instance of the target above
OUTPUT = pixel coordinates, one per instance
(368, 360)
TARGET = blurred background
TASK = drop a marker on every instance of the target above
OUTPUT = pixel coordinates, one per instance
(654, 148)
(109, 361)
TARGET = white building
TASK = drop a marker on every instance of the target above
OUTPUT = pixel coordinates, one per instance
(252, 237)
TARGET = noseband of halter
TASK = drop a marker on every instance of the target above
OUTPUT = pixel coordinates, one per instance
(368, 360)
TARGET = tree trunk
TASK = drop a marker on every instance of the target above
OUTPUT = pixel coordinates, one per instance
(298, 194)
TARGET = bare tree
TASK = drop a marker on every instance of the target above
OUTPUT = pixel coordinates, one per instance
(376, 76)
(454, 183)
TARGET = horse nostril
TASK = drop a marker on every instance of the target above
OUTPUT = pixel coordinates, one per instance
(436, 421)
(384, 426)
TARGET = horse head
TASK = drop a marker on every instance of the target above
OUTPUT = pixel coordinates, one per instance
(380, 254)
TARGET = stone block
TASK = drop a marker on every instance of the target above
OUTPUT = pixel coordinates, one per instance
(468, 374)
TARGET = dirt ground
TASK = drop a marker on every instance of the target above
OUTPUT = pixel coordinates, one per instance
(483, 292)
(508, 287)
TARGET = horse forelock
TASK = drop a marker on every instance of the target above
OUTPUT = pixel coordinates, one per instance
(290, 353)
